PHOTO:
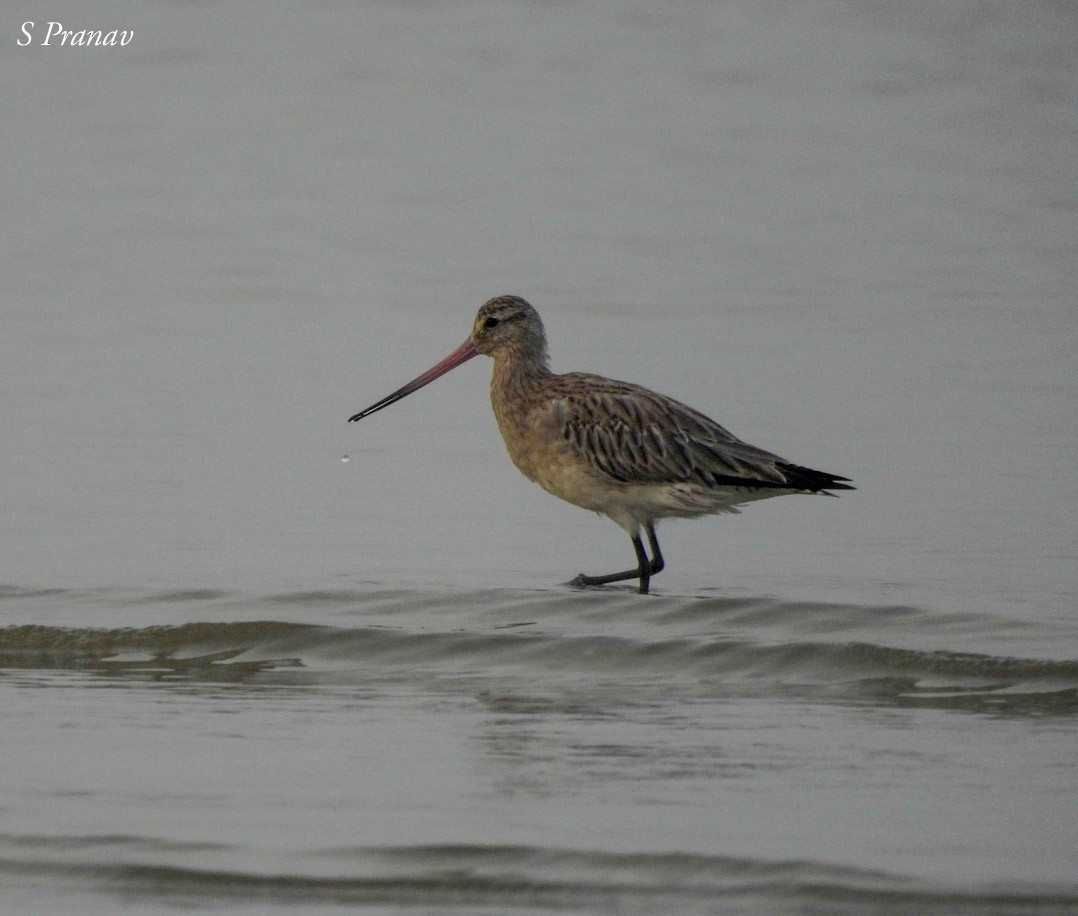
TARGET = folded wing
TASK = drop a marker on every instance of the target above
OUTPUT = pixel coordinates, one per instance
(634, 435)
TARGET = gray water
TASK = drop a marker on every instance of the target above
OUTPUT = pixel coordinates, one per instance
(258, 659)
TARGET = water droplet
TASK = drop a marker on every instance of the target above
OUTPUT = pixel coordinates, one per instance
(345, 459)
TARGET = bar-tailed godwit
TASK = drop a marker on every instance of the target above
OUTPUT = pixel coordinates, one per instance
(618, 449)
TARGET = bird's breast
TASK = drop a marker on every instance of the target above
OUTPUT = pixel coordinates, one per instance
(534, 440)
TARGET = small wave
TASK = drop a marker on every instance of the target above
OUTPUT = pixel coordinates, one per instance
(455, 877)
(267, 649)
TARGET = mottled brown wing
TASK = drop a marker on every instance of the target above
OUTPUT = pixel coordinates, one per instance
(634, 435)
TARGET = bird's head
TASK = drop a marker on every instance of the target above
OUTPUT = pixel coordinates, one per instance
(509, 324)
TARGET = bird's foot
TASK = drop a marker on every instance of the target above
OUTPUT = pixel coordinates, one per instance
(585, 581)
(582, 581)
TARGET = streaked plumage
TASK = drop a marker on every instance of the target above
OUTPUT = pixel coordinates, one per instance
(612, 447)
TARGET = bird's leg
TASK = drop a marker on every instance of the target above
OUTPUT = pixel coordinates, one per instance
(658, 564)
(644, 571)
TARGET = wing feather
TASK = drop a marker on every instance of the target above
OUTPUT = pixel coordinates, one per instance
(631, 434)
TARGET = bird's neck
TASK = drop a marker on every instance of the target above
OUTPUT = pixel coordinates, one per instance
(516, 375)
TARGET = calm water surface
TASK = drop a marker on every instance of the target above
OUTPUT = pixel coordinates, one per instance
(240, 673)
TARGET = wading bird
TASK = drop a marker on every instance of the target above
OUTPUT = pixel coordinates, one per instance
(618, 449)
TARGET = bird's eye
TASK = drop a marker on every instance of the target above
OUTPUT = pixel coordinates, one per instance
(490, 323)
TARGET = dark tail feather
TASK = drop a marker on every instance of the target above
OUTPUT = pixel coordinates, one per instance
(814, 481)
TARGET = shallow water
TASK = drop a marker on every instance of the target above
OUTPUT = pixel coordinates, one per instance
(532, 750)
(241, 673)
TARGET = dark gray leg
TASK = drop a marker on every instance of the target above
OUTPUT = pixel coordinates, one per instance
(658, 564)
(644, 571)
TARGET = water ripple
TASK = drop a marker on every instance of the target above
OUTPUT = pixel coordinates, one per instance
(721, 646)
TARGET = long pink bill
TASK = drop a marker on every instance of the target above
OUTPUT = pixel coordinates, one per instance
(462, 354)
